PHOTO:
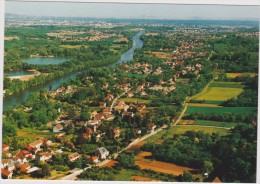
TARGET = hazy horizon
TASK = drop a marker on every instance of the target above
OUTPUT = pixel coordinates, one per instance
(133, 11)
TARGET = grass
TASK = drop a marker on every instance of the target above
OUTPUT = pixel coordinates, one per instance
(221, 110)
(125, 175)
(181, 129)
(217, 123)
(135, 100)
(33, 133)
(218, 92)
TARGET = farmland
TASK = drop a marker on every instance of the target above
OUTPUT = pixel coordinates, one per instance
(234, 75)
(159, 166)
(220, 110)
(180, 129)
(135, 100)
(217, 123)
(218, 92)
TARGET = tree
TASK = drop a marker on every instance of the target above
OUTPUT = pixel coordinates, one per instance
(46, 170)
(186, 176)
(126, 160)
(207, 167)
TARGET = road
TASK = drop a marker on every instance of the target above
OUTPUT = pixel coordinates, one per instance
(73, 176)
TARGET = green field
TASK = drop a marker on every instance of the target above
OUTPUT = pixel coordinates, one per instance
(221, 110)
(233, 75)
(34, 133)
(125, 175)
(135, 100)
(217, 123)
(181, 129)
(218, 92)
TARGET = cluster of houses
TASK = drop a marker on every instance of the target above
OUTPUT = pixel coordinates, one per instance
(36, 152)
(20, 161)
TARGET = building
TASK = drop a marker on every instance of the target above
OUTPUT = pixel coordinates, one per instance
(73, 156)
(57, 128)
(102, 153)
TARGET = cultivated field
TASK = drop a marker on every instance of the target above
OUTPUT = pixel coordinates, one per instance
(159, 166)
(181, 129)
(111, 163)
(202, 105)
(234, 75)
(218, 92)
(216, 123)
(135, 100)
(34, 133)
(222, 110)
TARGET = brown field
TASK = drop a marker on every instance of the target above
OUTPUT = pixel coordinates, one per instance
(187, 122)
(139, 178)
(162, 55)
(7, 38)
(111, 163)
(202, 105)
(159, 166)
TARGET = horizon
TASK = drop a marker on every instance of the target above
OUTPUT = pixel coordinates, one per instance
(133, 11)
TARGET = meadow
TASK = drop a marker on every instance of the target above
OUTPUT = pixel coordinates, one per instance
(234, 75)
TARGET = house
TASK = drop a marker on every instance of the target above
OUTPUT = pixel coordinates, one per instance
(151, 127)
(216, 180)
(24, 153)
(93, 122)
(116, 132)
(57, 128)
(93, 159)
(36, 144)
(24, 167)
(102, 153)
(109, 117)
(5, 147)
(6, 174)
(6, 153)
(20, 159)
(89, 131)
(130, 114)
(110, 97)
(43, 156)
(102, 104)
(86, 136)
(129, 94)
(73, 156)
(106, 111)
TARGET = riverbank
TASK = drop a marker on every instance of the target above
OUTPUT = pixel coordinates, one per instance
(27, 77)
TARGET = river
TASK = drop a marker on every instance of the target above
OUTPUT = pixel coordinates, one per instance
(20, 97)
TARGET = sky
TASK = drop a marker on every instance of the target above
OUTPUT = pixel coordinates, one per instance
(133, 11)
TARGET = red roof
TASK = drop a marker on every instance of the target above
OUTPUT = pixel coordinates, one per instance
(216, 180)
(5, 172)
(4, 146)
